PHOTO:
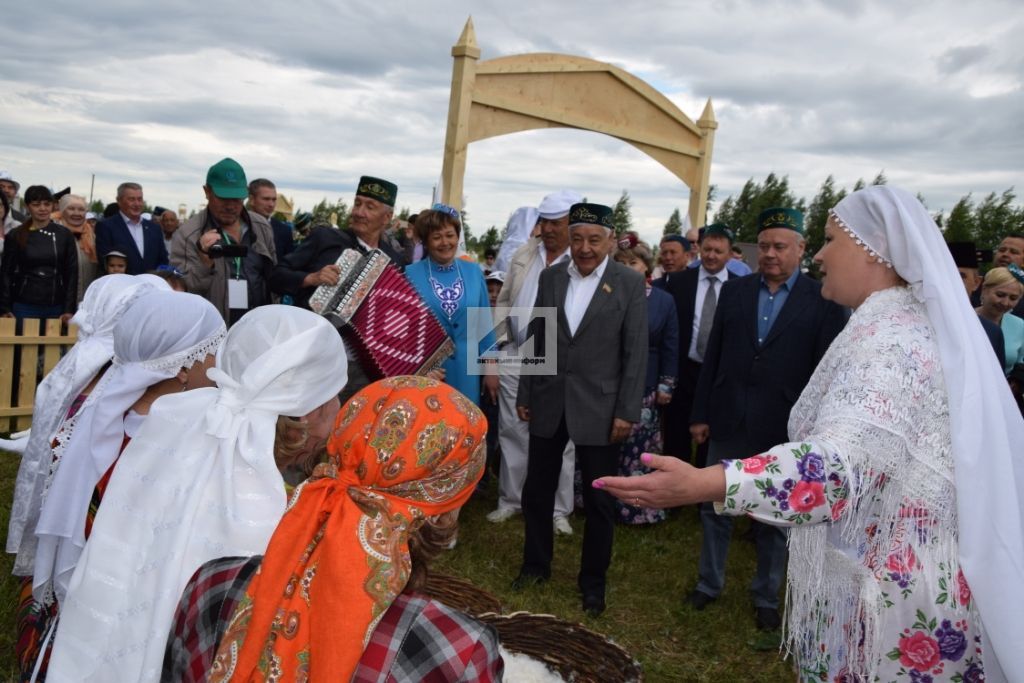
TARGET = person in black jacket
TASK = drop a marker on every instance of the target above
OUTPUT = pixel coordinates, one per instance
(39, 271)
(313, 262)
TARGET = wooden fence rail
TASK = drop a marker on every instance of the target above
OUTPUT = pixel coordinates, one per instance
(18, 386)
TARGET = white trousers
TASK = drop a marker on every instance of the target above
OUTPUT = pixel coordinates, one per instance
(514, 438)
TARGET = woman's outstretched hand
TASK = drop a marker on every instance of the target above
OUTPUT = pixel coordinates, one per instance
(672, 483)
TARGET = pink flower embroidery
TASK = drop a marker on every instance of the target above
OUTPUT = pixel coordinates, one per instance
(965, 589)
(919, 651)
(806, 496)
(755, 464)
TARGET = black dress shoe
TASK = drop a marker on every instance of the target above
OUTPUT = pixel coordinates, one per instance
(768, 619)
(593, 605)
(699, 600)
(524, 581)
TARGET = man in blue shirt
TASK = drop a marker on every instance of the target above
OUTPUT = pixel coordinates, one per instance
(770, 330)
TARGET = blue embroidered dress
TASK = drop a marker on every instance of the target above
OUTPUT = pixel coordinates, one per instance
(450, 291)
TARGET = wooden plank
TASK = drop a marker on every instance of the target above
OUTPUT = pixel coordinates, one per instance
(13, 412)
(28, 373)
(7, 326)
(38, 340)
(52, 352)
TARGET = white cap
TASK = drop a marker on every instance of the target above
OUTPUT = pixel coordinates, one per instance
(147, 216)
(557, 204)
(6, 175)
(90, 216)
(496, 275)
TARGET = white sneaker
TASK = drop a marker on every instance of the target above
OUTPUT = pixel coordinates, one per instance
(562, 526)
(501, 515)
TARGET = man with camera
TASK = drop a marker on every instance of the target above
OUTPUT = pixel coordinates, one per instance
(225, 251)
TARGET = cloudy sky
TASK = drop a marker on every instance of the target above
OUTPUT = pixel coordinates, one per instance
(313, 93)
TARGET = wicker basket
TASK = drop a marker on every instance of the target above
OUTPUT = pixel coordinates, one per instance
(460, 594)
(576, 653)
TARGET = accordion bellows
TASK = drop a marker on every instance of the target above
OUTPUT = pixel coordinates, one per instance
(382, 317)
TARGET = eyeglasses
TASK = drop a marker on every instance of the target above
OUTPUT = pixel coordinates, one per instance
(444, 208)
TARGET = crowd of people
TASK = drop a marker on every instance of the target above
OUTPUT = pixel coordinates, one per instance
(216, 487)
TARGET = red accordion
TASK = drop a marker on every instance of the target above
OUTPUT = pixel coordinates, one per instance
(382, 317)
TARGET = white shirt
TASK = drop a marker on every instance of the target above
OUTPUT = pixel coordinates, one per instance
(702, 290)
(527, 295)
(580, 292)
(135, 230)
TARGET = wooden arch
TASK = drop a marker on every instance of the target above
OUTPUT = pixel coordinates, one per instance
(544, 90)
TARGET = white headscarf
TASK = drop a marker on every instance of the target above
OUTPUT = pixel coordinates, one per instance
(197, 482)
(520, 224)
(160, 333)
(105, 300)
(986, 427)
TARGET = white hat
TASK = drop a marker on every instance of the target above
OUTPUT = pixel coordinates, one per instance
(147, 216)
(90, 216)
(6, 175)
(496, 275)
(557, 204)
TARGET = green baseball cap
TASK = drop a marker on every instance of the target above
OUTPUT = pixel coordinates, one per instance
(227, 180)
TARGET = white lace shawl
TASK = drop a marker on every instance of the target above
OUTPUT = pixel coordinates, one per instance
(878, 401)
(105, 301)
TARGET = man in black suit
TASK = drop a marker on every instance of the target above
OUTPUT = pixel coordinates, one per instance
(263, 200)
(143, 238)
(770, 330)
(313, 262)
(696, 292)
(593, 398)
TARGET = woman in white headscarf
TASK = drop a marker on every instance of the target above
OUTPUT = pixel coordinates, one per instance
(157, 342)
(104, 303)
(903, 485)
(199, 481)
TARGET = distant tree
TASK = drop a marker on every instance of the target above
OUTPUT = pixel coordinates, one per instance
(97, 206)
(859, 185)
(467, 233)
(740, 213)
(960, 223)
(622, 218)
(404, 214)
(674, 224)
(817, 214)
(995, 216)
(491, 239)
(335, 213)
(880, 179)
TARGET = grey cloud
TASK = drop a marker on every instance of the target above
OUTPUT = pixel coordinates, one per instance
(957, 59)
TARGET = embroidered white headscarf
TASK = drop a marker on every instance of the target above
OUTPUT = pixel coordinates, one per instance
(197, 482)
(986, 427)
(160, 333)
(105, 301)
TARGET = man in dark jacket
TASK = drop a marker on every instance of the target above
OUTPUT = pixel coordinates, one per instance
(770, 330)
(313, 262)
(143, 238)
(263, 200)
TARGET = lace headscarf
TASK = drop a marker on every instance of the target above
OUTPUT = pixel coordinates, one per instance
(987, 431)
(197, 482)
(403, 449)
(160, 333)
(105, 301)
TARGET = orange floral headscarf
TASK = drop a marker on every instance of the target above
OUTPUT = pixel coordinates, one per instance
(403, 449)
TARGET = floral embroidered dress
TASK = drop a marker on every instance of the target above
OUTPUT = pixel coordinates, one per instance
(875, 587)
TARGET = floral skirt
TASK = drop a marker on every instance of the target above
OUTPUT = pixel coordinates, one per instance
(645, 438)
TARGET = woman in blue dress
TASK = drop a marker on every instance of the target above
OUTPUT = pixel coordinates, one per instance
(451, 286)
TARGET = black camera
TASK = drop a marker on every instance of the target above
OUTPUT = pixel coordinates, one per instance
(221, 250)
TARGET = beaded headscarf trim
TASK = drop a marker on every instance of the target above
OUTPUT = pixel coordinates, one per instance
(861, 243)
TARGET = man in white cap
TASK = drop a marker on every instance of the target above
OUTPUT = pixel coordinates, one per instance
(550, 247)
(9, 186)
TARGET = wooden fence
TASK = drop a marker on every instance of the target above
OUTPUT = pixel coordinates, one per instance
(16, 413)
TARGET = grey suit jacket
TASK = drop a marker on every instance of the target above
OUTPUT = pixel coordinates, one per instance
(600, 373)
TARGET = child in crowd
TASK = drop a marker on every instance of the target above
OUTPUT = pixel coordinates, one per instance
(115, 262)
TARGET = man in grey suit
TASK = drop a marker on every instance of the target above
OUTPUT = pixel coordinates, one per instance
(593, 398)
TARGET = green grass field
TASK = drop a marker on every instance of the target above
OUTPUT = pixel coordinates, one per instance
(653, 568)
